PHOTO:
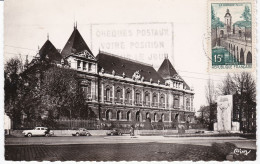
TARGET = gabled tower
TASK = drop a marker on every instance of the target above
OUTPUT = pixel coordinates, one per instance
(75, 44)
(78, 54)
(48, 52)
(170, 75)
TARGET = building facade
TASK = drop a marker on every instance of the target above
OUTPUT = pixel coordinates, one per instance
(122, 90)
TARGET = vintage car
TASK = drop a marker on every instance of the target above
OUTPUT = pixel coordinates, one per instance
(38, 131)
(114, 132)
(81, 132)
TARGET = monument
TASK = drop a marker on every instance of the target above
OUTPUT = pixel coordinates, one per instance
(224, 113)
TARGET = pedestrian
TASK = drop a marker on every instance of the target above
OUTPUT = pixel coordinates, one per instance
(131, 131)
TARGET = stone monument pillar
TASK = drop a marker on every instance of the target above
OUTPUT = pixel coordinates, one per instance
(224, 113)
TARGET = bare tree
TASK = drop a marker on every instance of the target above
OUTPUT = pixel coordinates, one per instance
(211, 100)
(228, 86)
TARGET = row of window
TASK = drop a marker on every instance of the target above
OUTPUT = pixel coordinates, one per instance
(84, 65)
(155, 117)
(137, 97)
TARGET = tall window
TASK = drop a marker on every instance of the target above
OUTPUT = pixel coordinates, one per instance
(78, 64)
(128, 96)
(138, 98)
(118, 97)
(128, 116)
(162, 117)
(84, 65)
(176, 102)
(89, 66)
(118, 115)
(188, 104)
(107, 94)
(87, 91)
(138, 116)
(147, 99)
(162, 101)
(155, 117)
(108, 115)
(154, 103)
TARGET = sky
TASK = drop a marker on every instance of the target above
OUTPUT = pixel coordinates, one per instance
(235, 11)
(27, 23)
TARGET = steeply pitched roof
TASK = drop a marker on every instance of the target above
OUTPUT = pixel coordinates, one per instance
(120, 65)
(75, 44)
(49, 49)
(166, 70)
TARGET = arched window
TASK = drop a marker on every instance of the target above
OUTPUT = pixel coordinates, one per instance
(138, 116)
(162, 117)
(128, 96)
(188, 104)
(241, 56)
(155, 99)
(108, 115)
(118, 115)
(147, 115)
(128, 116)
(249, 58)
(87, 91)
(176, 102)
(147, 99)
(162, 101)
(138, 100)
(118, 96)
(155, 117)
(107, 94)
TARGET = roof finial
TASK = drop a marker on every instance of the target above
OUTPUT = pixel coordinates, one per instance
(38, 48)
(47, 36)
(76, 25)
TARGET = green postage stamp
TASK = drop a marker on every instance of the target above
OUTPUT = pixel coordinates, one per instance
(232, 36)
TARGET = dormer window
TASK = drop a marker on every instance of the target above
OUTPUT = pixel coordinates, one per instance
(90, 66)
(84, 65)
(78, 64)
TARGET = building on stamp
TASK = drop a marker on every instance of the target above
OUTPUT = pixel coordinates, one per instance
(122, 90)
(236, 37)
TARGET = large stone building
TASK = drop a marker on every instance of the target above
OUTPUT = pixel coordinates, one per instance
(124, 90)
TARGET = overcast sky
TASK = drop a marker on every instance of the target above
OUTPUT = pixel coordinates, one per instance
(27, 23)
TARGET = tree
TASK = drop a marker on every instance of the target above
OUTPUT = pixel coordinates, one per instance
(246, 87)
(227, 86)
(215, 23)
(211, 100)
(243, 86)
(13, 68)
(246, 15)
(61, 94)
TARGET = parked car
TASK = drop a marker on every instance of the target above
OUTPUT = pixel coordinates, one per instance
(114, 132)
(38, 131)
(81, 132)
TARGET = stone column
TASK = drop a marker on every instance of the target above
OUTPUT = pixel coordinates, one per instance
(113, 93)
(142, 98)
(102, 91)
(165, 99)
(123, 94)
(151, 98)
(184, 102)
(158, 99)
(170, 100)
(133, 95)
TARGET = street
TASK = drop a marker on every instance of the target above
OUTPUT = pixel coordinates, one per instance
(117, 148)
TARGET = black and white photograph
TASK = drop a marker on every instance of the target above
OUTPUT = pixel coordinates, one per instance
(131, 80)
